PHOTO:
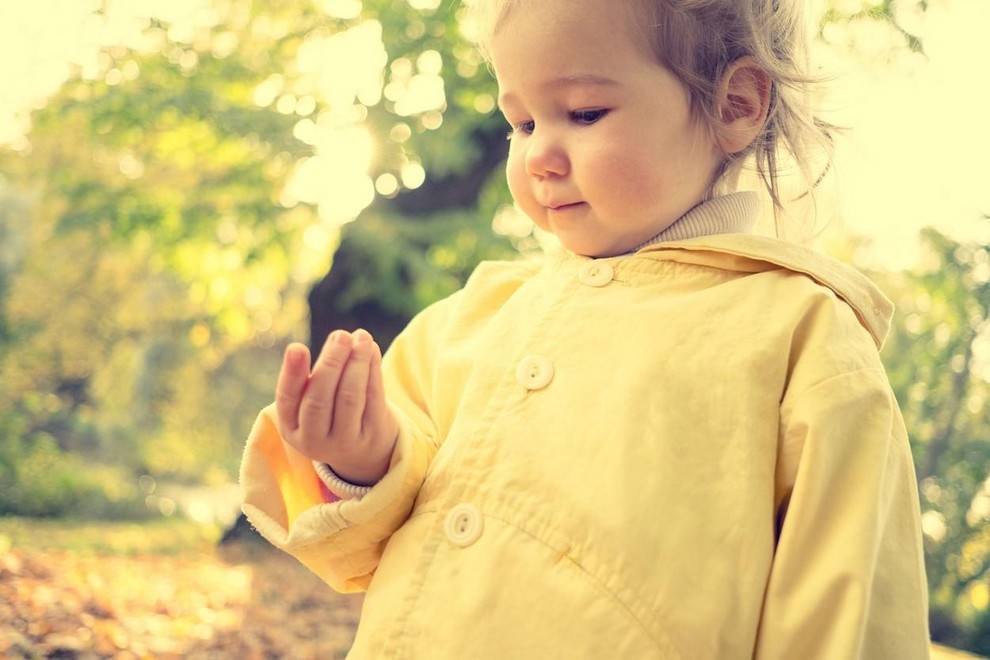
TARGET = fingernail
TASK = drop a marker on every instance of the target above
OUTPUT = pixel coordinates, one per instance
(361, 337)
(292, 354)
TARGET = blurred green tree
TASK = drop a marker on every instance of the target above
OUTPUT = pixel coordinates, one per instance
(938, 358)
(153, 256)
(187, 186)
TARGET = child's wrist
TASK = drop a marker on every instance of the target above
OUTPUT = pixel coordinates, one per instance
(365, 470)
(355, 477)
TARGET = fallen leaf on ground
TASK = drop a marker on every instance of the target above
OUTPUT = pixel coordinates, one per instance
(243, 603)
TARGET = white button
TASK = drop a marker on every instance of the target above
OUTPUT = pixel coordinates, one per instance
(596, 273)
(463, 525)
(534, 372)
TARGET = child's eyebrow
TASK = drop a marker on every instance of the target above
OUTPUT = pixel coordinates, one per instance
(582, 79)
(578, 80)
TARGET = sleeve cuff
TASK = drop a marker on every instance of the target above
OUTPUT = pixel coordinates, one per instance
(345, 490)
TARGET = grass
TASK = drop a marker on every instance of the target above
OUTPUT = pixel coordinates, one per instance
(158, 536)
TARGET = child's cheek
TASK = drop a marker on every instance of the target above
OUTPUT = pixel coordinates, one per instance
(520, 184)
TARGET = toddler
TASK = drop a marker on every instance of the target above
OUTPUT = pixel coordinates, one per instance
(670, 438)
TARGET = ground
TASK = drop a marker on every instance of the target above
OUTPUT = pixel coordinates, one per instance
(166, 590)
(113, 598)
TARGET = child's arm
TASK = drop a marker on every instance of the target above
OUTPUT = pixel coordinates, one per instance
(335, 414)
(847, 579)
(342, 541)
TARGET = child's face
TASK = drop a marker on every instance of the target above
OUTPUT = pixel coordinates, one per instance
(605, 152)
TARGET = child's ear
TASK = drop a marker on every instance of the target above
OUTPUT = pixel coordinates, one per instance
(741, 104)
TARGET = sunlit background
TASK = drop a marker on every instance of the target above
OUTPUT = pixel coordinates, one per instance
(915, 154)
(175, 176)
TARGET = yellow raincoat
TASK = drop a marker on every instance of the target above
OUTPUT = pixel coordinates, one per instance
(687, 453)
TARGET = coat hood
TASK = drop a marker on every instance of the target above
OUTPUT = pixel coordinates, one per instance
(755, 254)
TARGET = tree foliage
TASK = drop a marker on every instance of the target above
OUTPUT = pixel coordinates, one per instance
(181, 192)
(938, 359)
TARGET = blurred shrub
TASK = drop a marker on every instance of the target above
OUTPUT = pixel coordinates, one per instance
(38, 479)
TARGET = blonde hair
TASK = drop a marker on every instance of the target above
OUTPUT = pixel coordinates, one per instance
(697, 40)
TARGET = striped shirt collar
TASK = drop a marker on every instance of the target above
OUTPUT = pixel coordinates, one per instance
(735, 213)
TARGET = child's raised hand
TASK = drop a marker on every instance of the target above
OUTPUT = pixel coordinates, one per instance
(337, 413)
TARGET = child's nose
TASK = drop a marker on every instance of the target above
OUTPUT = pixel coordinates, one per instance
(545, 156)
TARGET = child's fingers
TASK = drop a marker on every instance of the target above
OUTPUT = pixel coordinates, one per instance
(316, 410)
(291, 385)
(352, 391)
(375, 408)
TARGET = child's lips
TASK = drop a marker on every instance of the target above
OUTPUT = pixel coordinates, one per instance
(564, 206)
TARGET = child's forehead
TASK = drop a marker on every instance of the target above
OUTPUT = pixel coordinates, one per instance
(573, 18)
(571, 38)
(496, 12)
(584, 19)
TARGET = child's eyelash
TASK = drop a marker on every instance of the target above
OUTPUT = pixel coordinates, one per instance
(588, 116)
(523, 127)
(581, 117)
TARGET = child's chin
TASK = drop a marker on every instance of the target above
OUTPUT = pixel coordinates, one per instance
(597, 251)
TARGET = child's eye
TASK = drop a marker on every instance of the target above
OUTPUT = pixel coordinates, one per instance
(588, 117)
(526, 128)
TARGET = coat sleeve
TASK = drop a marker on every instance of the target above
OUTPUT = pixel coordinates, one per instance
(847, 580)
(342, 541)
